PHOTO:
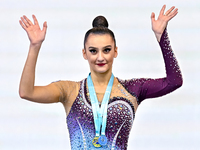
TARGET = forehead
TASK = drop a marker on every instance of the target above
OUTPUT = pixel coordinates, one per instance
(97, 40)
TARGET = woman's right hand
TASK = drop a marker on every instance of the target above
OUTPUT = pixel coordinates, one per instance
(27, 88)
(35, 34)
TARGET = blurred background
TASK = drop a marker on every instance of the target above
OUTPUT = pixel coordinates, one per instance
(171, 122)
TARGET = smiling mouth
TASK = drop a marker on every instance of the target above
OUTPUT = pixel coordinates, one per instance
(100, 64)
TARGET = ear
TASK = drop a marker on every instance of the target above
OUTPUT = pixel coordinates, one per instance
(84, 54)
(116, 52)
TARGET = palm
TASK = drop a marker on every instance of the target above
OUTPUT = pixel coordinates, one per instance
(35, 34)
(160, 24)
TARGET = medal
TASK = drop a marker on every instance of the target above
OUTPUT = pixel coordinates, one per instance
(95, 142)
(99, 114)
(102, 140)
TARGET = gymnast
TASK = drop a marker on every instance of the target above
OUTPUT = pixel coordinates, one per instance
(101, 108)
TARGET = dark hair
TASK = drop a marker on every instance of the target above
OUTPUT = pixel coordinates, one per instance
(100, 26)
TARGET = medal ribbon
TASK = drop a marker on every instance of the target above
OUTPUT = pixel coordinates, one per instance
(99, 114)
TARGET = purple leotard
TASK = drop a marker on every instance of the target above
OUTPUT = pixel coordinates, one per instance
(125, 97)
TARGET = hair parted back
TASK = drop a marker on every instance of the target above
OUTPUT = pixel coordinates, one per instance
(100, 26)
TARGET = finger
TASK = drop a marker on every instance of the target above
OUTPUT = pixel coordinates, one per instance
(169, 11)
(162, 10)
(27, 20)
(152, 16)
(24, 22)
(35, 20)
(173, 14)
(23, 26)
(44, 27)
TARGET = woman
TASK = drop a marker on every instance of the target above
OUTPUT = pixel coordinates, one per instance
(100, 109)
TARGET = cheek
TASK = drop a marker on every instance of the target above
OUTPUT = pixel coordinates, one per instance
(91, 59)
(110, 58)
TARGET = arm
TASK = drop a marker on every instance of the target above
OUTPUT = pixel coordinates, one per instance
(144, 88)
(157, 87)
(27, 90)
(149, 88)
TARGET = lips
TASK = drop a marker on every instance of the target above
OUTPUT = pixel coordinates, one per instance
(100, 64)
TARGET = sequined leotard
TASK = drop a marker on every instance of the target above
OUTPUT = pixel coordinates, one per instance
(125, 97)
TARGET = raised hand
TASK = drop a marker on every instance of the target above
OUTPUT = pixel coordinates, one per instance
(160, 24)
(35, 34)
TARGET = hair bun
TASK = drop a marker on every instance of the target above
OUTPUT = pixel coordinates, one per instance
(100, 21)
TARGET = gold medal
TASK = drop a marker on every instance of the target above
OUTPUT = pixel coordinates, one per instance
(95, 142)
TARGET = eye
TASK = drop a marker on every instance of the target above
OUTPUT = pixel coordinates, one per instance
(107, 50)
(93, 51)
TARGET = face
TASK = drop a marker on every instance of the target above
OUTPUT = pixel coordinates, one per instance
(100, 51)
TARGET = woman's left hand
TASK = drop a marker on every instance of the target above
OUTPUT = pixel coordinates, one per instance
(159, 25)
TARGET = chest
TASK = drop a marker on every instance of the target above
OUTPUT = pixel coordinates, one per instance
(120, 116)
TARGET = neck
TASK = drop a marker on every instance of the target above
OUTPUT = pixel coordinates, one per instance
(100, 79)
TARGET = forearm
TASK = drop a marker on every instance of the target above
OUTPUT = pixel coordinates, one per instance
(173, 71)
(26, 87)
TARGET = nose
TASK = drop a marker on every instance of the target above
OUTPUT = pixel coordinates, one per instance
(100, 57)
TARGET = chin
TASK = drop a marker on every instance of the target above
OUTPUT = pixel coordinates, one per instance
(102, 71)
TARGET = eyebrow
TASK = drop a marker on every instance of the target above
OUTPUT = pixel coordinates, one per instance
(91, 47)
